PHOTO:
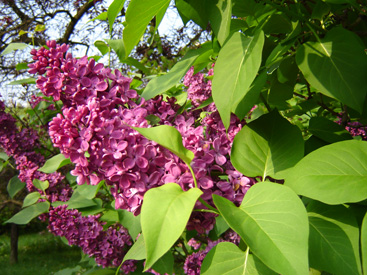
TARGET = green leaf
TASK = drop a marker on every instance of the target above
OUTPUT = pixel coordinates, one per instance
(334, 239)
(161, 84)
(31, 198)
(40, 28)
(251, 97)
(88, 191)
(130, 221)
(54, 163)
(227, 258)
(165, 264)
(327, 130)
(333, 174)
(21, 66)
(170, 138)
(14, 186)
(118, 46)
(41, 185)
(113, 10)
(137, 251)
(220, 19)
(102, 47)
(336, 66)
(79, 201)
(29, 80)
(138, 15)
(273, 223)
(133, 62)
(267, 146)
(27, 214)
(164, 215)
(14, 46)
(237, 66)
(364, 244)
(102, 16)
(194, 10)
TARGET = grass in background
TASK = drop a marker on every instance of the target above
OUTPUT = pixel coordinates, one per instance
(38, 254)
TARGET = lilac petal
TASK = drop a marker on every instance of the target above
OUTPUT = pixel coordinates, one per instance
(86, 82)
(141, 162)
(101, 86)
(128, 163)
(220, 159)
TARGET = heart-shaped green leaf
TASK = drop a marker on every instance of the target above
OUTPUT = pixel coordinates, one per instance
(54, 163)
(227, 258)
(333, 174)
(273, 223)
(267, 146)
(336, 66)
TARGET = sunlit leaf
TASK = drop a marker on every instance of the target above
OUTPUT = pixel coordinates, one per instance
(336, 66)
(164, 215)
(333, 174)
(170, 138)
(54, 163)
(237, 66)
(273, 223)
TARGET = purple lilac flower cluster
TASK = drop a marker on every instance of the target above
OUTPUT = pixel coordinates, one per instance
(94, 132)
(108, 247)
(355, 128)
(21, 145)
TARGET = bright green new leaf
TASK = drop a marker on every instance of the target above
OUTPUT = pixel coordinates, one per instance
(333, 174)
(29, 80)
(41, 185)
(118, 46)
(27, 214)
(21, 66)
(220, 19)
(102, 47)
(137, 251)
(328, 130)
(113, 10)
(14, 186)
(31, 198)
(54, 163)
(336, 66)
(273, 223)
(87, 190)
(334, 239)
(138, 15)
(364, 244)
(14, 46)
(161, 84)
(227, 258)
(102, 16)
(194, 10)
(237, 66)
(164, 215)
(267, 146)
(170, 138)
(40, 28)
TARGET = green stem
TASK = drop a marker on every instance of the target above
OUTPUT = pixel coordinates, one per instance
(193, 175)
(265, 102)
(206, 211)
(208, 206)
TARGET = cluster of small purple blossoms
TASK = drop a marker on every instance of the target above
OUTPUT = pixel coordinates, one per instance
(108, 247)
(21, 146)
(355, 128)
(94, 132)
